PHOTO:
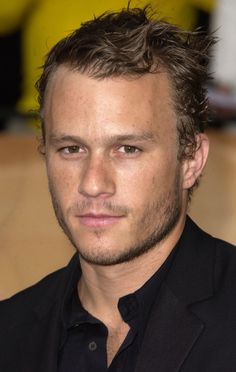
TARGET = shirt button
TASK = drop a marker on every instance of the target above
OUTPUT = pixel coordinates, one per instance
(92, 346)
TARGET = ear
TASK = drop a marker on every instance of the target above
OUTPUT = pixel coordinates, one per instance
(192, 168)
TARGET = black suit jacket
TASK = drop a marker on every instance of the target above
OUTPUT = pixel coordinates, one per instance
(192, 326)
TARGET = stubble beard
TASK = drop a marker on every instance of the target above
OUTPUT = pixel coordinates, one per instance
(166, 211)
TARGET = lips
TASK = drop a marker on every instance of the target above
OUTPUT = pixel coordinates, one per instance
(98, 220)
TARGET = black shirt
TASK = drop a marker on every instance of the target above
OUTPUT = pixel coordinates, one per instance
(83, 341)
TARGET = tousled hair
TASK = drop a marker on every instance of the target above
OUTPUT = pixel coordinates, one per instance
(131, 43)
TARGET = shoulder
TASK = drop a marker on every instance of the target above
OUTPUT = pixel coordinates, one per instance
(203, 264)
(222, 252)
(202, 241)
(222, 256)
(225, 264)
(49, 289)
(18, 304)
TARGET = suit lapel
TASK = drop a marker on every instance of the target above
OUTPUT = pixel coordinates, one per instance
(170, 335)
(173, 328)
(40, 343)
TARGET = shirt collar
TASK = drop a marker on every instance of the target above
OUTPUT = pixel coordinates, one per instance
(134, 308)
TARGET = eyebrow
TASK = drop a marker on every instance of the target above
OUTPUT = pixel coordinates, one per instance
(137, 137)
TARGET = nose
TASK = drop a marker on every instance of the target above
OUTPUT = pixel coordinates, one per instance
(97, 178)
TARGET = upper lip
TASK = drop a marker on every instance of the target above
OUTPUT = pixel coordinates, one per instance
(98, 215)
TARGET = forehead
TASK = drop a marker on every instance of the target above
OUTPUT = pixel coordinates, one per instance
(75, 97)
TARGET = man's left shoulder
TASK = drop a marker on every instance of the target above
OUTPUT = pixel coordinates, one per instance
(204, 240)
(204, 260)
(225, 262)
(218, 254)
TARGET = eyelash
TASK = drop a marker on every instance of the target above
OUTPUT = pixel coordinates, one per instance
(66, 149)
(76, 149)
(136, 149)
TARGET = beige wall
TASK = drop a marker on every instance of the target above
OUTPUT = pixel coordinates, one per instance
(31, 243)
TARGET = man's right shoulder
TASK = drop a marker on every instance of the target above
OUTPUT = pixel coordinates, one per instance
(48, 289)
(31, 294)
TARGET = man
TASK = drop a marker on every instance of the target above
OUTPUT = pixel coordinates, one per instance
(123, 110)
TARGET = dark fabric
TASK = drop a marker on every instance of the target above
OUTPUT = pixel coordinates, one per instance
(191, 326)
(83, 331)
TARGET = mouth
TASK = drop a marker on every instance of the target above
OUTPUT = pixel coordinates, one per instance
(98, 220)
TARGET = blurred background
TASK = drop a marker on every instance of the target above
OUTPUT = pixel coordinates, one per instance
(32, 244)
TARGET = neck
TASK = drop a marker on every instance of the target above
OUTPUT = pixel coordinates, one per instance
(101, 287)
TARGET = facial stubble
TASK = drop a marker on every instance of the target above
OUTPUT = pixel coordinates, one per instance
(165, 211)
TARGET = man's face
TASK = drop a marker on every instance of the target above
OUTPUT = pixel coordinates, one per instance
(111, 153)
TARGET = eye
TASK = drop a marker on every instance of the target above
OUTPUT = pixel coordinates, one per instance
(127, 149)
(74, 149)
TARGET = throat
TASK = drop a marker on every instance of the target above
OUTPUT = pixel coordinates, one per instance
(115, 339)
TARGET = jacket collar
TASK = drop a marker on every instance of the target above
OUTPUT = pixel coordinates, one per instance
(192, 273)
(57, 295)
(173, 326)
(43, 340)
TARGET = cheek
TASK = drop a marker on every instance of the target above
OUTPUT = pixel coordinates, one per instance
(153, 185)
(153, 177)
(62, 180)
(137, 186)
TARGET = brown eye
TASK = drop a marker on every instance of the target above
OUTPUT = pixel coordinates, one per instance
(127, 149)
(71, 149)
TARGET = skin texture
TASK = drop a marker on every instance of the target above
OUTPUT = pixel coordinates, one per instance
(114, 176)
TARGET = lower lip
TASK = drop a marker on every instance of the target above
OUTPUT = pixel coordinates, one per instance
(98, 222)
